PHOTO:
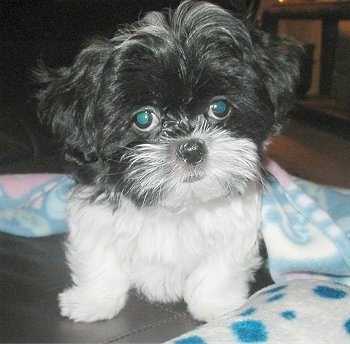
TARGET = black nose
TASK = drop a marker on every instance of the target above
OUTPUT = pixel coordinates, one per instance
(191, 151)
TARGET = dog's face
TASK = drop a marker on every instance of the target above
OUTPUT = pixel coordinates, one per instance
(176, 109)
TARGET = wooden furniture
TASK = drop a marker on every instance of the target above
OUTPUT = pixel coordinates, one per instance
(329, 13)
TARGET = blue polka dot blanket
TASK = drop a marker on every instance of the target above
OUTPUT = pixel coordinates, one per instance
(34, 204)
(306, 228)
(299, 311)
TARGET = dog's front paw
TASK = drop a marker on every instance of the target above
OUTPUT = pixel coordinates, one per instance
(84, 305)
(208, 309)
(209, 296)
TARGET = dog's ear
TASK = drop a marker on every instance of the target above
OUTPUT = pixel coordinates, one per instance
(66, 99)
(279, 59)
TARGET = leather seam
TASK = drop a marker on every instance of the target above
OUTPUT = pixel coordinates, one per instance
(174, 316)
(144, 328)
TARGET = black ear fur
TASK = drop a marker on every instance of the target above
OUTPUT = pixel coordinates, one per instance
(67, 100)
(279, 59)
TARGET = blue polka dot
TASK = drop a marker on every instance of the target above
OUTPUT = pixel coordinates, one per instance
(347, 327)
(288, 315)
(275, 298)
(250, 331)
(274, 290)
(329, 293)
(248, 311)
(191, 340)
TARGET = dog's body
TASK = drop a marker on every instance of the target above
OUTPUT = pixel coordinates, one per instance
(205, 254)
(165, 126)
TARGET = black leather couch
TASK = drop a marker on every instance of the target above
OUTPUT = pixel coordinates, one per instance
(33, 270)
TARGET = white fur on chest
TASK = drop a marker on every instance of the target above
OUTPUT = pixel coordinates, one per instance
(147, 242)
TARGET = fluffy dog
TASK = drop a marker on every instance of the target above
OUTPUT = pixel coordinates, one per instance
(165, 126)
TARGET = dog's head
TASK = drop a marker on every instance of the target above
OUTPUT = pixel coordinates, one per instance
(173, 109)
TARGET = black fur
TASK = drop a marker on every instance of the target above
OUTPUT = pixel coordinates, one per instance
(175, 62)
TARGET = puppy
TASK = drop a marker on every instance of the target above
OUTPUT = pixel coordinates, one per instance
(164, 126)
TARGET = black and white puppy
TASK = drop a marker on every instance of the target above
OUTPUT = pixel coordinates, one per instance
(165, 126)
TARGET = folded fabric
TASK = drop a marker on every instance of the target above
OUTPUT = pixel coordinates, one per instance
(302, 311)
(34, 204)
(306, 228)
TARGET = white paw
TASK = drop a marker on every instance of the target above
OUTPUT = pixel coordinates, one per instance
(209, 309)
(86, 305)
(209, 294)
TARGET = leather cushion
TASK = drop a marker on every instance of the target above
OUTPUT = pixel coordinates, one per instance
(33, 272)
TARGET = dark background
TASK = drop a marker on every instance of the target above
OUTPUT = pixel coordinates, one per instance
(52, 31)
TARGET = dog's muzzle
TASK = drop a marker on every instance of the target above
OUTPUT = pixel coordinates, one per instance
(191, 151)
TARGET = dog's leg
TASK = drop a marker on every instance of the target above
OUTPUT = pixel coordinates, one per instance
(100, 277)
(215, 288)
(99, 291)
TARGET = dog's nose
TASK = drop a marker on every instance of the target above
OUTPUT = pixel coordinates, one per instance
(191, 151)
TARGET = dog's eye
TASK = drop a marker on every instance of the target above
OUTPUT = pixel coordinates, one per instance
(145, 120)
(219, 109)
